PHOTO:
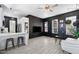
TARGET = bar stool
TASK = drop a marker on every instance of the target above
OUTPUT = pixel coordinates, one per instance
(22, 41)
(56, 38)
(9, 40)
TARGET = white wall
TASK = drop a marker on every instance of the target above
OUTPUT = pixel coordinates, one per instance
(1, 16)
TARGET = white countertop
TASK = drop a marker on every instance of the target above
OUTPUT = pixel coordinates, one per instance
(6, 34)
(11, 35)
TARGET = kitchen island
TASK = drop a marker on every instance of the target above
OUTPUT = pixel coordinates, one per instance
(4, 36)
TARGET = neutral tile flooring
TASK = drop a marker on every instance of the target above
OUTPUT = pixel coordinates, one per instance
(38, 45)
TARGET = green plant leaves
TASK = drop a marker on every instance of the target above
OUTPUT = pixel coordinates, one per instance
(75, 32)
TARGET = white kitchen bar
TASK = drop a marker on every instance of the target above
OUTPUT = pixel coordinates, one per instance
(5, 36)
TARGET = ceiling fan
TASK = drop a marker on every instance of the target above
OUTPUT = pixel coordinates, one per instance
(48, 7)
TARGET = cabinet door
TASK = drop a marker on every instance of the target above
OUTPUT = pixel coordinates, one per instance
(12, 25)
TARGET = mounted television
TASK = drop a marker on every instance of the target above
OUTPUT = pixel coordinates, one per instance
(36, 29)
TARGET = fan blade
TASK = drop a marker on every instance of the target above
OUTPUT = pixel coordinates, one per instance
(55, 5)
(40, 8)
(51, 10)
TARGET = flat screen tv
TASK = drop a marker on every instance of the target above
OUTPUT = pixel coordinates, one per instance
(36, 29)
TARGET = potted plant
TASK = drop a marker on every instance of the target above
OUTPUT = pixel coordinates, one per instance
(75, 32)
(68, 21)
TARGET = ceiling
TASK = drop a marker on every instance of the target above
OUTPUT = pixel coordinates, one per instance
(33, 9)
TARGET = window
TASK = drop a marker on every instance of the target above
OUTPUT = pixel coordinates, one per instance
(46, 26)
(55, 26)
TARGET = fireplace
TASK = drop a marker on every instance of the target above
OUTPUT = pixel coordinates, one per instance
(36, 29)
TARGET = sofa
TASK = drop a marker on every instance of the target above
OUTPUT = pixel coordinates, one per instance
(70, 45)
